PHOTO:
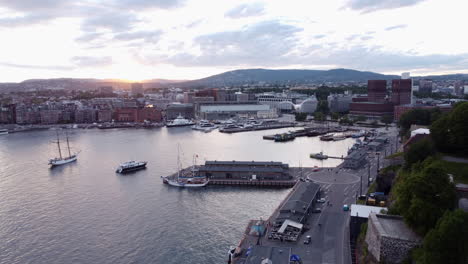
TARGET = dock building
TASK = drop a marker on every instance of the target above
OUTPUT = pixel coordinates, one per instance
(245, 170)
(355, 160)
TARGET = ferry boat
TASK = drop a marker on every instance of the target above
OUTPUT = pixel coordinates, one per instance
(319, 156)
(179, 121)
(3, 131)
(131, 166)
(185, 178)
(61, 160)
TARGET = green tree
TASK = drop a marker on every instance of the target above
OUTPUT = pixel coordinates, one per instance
(335, 116)
(301, 117)
(450, 130)
(319, 116)
(323, 107)
(417, 116)
(386, 119)
(423, 196)
(419, 151)
(447, 242)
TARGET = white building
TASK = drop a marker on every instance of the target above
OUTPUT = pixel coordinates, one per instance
(226, 111)
(308, 106)
(339, 102)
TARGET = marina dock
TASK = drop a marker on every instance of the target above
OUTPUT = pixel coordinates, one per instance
(256, 128)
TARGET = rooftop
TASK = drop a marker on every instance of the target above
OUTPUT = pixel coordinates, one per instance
(364, 210)
(259, 254)
(394, 227)
(233, 108)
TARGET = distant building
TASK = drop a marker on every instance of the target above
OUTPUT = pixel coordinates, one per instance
(405, 75)
(50, 116)
(185, 110)
(85, 115)
(255, 170)
(401, 91)
(188, 97)
(425, 86)
(459, 88)
(355, 160)
(137, 88)
(104, 115)
(339, 103)
(242, 97)
(140, 114)
(377, 90)
(308, 106)
(106, 90)
(8, 114)
(226, 111)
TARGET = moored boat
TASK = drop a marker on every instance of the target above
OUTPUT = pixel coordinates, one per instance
(179, 121)
(319, 156)
(61, 160)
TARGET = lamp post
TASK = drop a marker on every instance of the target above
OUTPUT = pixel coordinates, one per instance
(368, 174)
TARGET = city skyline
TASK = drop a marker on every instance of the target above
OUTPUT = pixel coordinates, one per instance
(137, 40)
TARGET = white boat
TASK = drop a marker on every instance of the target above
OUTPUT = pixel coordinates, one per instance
(3, 131)
(179, 121)
(189, 181)
(131, 166)
(61, 160)
(204, 126)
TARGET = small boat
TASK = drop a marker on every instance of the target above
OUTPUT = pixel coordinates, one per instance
(179, 121)
(3, 131)
(131, 166)
(319, 156)
(284, 137)
(204, 126)
(63, 160)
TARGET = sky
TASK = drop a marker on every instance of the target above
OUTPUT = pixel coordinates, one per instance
(189, 39)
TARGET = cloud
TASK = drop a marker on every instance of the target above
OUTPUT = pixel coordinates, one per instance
(88, 61)
(396, 27)
(145, 4)
(245, 10)
(373, 5)
(36, 67)
(114, 21)
(148, 36)
(33, 5)
(267, 41)
(319, 36)
(23, 20)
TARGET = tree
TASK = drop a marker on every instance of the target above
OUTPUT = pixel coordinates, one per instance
(386, 119)
(335, 116)
(447, 242)
(360, 118)
(419, 151)
(423, 196)
(319, 116)
(323, 107)
(301, 117)
(450, 130)
(418, 116)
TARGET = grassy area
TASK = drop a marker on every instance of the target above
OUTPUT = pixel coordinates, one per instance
(458, 170)
(372, 187)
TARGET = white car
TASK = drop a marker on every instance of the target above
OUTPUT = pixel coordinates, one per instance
(321, 200)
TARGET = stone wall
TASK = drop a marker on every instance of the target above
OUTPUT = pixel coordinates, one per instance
(373, 238)
(394, 250)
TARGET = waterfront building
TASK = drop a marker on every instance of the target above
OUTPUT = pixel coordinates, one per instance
(140, 114)
(8, 114)
(175, 109)
(104, 115)
(273, 99)
(339, 103)
(308, 106)
(245, 170)
(85, 115)
(226, 111)
(376, 104)
(50, 116)
(300, 204)
(355, 160)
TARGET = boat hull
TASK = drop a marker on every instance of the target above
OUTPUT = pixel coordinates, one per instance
(184, 185)
(136, 168)
(58, 162)
(178, 125)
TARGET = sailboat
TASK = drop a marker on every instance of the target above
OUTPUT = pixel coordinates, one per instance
(186, 178)
(61, 160)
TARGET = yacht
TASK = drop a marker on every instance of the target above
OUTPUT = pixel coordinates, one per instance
(180, 121)
(61, 160)
(204, 126)
(131, 166)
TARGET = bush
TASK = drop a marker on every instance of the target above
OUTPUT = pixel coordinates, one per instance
(419, 151)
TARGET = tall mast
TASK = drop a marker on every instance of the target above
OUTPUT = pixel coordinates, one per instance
(68, 144)
(178, 161)
(58, 145)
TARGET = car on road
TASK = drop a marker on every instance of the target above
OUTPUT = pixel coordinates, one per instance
(308, 240)
(317, 210)
(321, 200)
(345, 207)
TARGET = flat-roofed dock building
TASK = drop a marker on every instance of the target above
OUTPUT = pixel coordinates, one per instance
(245, 170)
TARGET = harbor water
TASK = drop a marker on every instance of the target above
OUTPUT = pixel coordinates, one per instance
(84, 212)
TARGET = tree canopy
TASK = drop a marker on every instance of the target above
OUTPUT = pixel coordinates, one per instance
(447, 242)
(450, 131)
(419, 151)
(423, 196)
(418, 116)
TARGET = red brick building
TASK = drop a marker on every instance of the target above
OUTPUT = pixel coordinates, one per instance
(138, 114)
(401, 91)
(377, 90)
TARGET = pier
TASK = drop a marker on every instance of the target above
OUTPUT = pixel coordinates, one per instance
(256, 128)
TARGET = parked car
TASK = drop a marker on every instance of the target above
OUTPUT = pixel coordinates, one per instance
(321, 200)
(308, 240)
(345, 207)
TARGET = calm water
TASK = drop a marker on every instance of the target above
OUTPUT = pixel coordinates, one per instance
(85, 213)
